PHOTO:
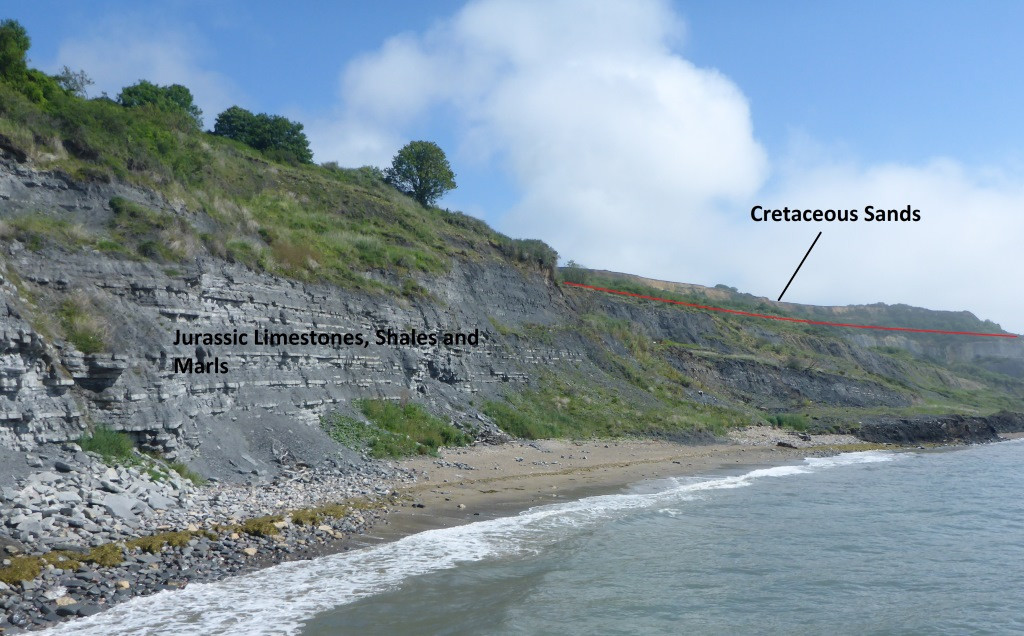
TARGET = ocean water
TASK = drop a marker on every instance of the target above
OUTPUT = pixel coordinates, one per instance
(862, 543)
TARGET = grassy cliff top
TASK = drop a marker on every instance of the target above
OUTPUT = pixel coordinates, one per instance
(898, 315)
(305, 221)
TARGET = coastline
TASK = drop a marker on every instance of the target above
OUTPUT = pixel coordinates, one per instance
(463, 485)
(551, 471)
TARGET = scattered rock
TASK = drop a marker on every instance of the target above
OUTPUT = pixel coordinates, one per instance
(120, 506)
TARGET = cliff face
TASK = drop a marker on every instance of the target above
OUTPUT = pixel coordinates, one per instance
(269, 402)
(265, 408)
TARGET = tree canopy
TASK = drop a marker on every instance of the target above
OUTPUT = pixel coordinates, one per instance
(14, 45)
(169, 98)
(274, 135)
(14, 70)
(421, 170)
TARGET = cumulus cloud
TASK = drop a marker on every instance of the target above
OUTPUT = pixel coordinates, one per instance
(118, 53)
(611, 137)
(627, 156)
(963, 254)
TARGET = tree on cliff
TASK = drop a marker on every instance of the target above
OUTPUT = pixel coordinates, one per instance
(170, 98)
(14, 43)
(277, 137)
(14, 70)
(421, 170)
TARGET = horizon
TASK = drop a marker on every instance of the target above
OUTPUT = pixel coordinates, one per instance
(563, 123)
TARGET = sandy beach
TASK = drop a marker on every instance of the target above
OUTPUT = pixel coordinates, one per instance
(483, 482)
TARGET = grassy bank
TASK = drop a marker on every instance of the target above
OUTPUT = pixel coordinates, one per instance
(393, 430)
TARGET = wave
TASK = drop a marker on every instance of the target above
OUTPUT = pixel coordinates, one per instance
(279, 599)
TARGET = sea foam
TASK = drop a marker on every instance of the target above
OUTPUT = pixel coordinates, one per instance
(279, 599)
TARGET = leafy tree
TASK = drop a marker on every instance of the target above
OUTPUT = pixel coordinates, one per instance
(170, 98)
(14, 44)
(421, 170)
(274, 135)
(74, 82)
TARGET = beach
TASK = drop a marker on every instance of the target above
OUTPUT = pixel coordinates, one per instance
(458, 486)
(487, 481)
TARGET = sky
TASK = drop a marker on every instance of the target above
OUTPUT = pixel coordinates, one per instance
(637, 135)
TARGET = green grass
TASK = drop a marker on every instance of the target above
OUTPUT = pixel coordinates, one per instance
(878, 314)
(150, 234)
(349, 431)
(795, 421)
(115, 447)
(38, 230)
(82, 324)
(261, 526)
(187, 473)
(312, 223)
(23, 568)
(394, 430)
(567, 405)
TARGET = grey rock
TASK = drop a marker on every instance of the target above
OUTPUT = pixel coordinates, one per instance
(120, 506)
(160, 502)
(18, 619)
(67, 496)
(110, 487)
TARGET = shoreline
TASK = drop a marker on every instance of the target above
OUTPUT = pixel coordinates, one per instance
(460, 486)
(451, 495)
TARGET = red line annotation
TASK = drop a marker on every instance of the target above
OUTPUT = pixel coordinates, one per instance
(788, 319)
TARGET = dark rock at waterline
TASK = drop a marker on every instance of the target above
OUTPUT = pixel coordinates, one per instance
(938, 429)
(18, 619)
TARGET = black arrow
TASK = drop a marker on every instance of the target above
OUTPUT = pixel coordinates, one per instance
(800, 265)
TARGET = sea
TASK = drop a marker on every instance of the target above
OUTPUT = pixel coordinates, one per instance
(927, 542)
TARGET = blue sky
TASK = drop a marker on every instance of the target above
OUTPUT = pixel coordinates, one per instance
(636, 135)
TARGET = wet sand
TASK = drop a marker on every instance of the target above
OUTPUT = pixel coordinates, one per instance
(483, 482)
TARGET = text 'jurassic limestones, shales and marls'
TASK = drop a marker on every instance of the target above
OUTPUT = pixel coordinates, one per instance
(206, 360)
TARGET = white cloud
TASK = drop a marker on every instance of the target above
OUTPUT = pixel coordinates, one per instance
(611, 137)
(118, 53)
(630, 157)
(962, 255)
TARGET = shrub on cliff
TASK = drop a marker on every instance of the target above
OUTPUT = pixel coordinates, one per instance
(532, 251)
(173, 98)
(573, 272)
(277, 137)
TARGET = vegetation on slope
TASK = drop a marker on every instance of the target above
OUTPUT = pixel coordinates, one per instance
(393, 430)
(265, 210)
(246, 192)
(728, 297)
(117, 449)
(642, 390)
